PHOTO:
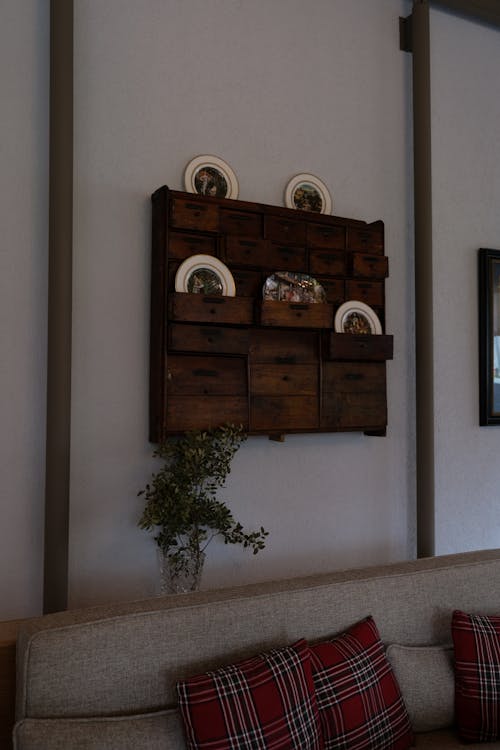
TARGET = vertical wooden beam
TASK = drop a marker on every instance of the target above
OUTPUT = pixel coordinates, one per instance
(55, 595)
(423, 277)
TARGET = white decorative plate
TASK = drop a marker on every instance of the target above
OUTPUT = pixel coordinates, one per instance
(356, 317)
(209, 175)
(308, 193)
(204, 274)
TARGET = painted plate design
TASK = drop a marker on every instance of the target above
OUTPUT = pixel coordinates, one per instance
(308, 193)
(209, 175)
(356, 317)
(286, 286)
(204, 274)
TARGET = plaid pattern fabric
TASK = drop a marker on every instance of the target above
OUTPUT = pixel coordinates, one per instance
(359, 701)
(264, 702)
(477, 676)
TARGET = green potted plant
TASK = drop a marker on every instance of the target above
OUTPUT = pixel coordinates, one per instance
(182, 508)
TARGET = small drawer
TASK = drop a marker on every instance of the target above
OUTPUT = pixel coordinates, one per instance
(246, 251)
(369, 266)
(283, 413)
(208, 339)
(185, 413)
(182, 246)
(286, 258)
(194, 214)
(296, 314)
(283, 347)
(206, 376)
(324, 235)
(348, 346)
(197, 308)
(281, 229)
(334, 290)
(240, 222)
(351, 377)
(370, 292)
(327, 262)
(354, 411)
(369, 238)
(283, 380)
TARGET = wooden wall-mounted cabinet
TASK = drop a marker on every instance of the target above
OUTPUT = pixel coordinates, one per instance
(274, 367)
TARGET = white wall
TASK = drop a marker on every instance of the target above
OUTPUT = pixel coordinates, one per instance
(275, 88)
(24, 65)
(466, 216)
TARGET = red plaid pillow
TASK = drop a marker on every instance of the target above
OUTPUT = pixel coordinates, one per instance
(264, 702)
(359, 701)
(477, 676)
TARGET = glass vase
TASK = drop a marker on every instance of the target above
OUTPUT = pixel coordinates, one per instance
(175, 579)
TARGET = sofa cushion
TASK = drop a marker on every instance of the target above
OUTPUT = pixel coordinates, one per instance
(477, 675)
(359, 701)
(266, 701)
(161, 730)
(427, 682)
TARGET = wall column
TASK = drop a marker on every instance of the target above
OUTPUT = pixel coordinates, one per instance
(55, 595)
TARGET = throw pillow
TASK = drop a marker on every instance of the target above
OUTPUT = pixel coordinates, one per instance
(359, 701)
(427, 682)
(266, 702)
(477, 675)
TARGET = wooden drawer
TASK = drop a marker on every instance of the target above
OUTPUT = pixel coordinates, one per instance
(246, 251)
(207, 376)
(296, 314)
(286, 258)
(282, 229)
(368, 238)
(241, 222)
(354, 411)
(283, 380)
(351, 377)
(194, 214)
(354, 396)
(188, 337)
(369, 266)
(334, 290)
(323, 235)
(283, 347)
(327, 262)
(280, 413)
(370, 292)
(182, 246)
(204, 412)
(198, 308)
(348, 346)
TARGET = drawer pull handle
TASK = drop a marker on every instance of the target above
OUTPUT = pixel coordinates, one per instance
(285, 360)
(213, 300)
(247, 243)
(205, 373)
(354, 376)
(298, 306)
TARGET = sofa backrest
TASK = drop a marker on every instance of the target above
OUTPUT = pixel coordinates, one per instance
(126, 658)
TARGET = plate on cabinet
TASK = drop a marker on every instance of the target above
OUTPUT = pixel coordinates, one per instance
(209, 175)
(286, 286)
(308, 193)
(204, 274)
(356, 317)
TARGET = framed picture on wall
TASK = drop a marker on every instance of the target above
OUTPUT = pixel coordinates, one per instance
(489, 337)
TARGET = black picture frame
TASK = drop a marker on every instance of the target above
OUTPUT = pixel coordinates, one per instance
(489, 336)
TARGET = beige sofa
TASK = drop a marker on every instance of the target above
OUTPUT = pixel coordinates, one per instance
(104, 677)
